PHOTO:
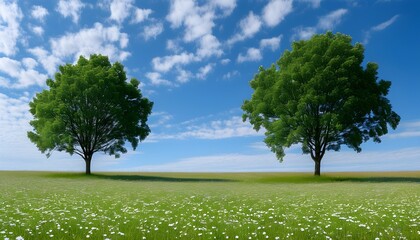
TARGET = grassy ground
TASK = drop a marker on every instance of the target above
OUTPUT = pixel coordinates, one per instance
(209, 206)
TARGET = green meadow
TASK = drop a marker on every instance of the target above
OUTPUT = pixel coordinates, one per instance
(46, 205)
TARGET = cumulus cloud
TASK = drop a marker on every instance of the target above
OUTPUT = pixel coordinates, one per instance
(14, 116)
(70, 8)
(173, 45)
(326, 22)
(179, 11)
(152, 31)
(183, 75)
(225, 61)
(48, 61)
(203, 71)
(378, 28)
(272, 43)
(304, 32)
(39, 13)
(209, 46)
(275, 11)
(249, 26)
(157, 80)
(22, 75)
(197, 20)
(98, 39)
(141, 14)
(108, 41)
(120, 9)
(164, 64)
(10, 17)
(252, 55)
(38, 30)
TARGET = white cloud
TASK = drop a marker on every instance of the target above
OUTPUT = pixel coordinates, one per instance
(87, 41)
(314, 3)
(14, 122)
(39, 13)
(203, 71)
(48, 61)
(272, 43)
(379, 27)
(159, 119)
(29, 63)
(152, 31)
(252, 55)
(331, 20)
(198, 25)
(164, 64)
(197, 20)
(38, 30)
(173, 45)
(385, 24)
(108, 41)
(227, 6)
(249, 26)
(24, 75)
(327, 22)
(231, 74)
(120, 9)
(407, 130)
(218, 129)
(179, 10)
(183, 76)
(10, 17)
(70, 8)
(225, 61)
(304, 33)
(157, 80)
(276, 10)
(141, 14)
(209, 46)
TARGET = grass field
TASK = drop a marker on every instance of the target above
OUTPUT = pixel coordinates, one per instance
(42, 205)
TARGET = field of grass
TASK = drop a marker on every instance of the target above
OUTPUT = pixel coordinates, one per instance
(42, 205)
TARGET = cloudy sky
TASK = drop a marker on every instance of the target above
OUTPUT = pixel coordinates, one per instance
(195, 60)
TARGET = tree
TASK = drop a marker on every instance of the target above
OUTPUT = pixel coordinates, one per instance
(89, 108)
(320, 95)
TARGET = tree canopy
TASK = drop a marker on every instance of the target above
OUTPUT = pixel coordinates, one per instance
(89, 107)
(320, 95)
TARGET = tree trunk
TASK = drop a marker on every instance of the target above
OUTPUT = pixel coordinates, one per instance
(317, 168)
(88, 160)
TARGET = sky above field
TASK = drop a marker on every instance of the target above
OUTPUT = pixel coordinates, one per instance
(195, 60)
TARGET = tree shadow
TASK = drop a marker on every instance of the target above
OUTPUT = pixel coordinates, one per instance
(158, 178)
(379, 179)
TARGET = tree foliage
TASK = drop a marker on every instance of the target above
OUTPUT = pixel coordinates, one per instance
(321, 96)
(88, 108)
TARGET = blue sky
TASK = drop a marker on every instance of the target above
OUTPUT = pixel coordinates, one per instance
(195, 60)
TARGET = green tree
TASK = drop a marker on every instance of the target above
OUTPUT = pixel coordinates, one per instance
(89, 108)
(320, 95)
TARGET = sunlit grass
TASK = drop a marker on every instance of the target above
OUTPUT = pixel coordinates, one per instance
(209, 206)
